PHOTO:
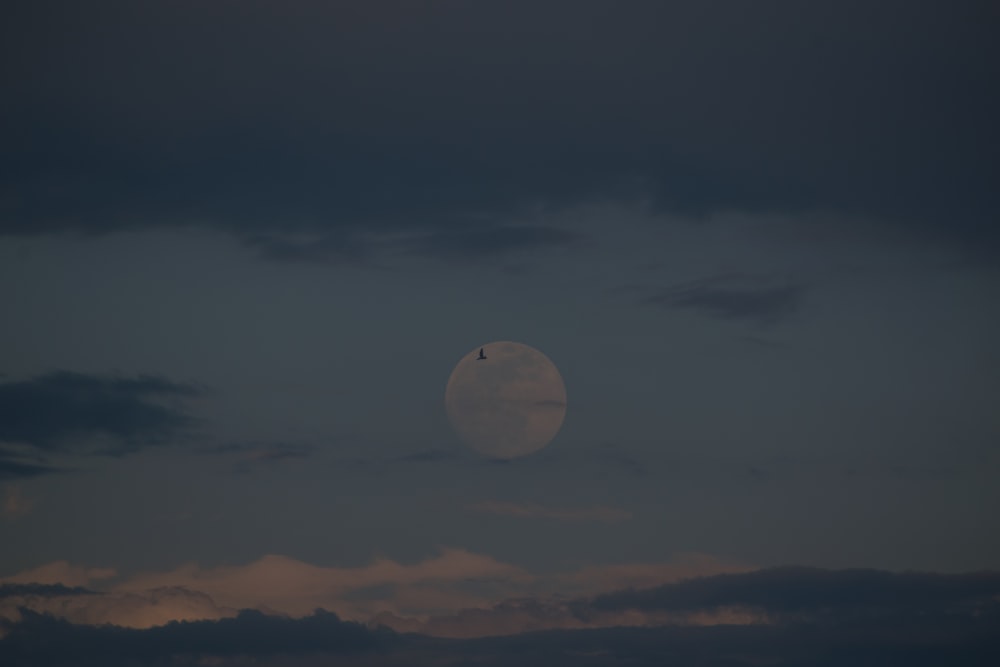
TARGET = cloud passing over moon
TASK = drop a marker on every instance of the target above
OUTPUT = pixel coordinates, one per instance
(508, 404)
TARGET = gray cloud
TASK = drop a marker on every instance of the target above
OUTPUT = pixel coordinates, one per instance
(738, 297)
(13, 467)
(465, 244)
(74, 413)
(816, 592)
(249, 454)
(532, 510)
(439, 120)
(249, 633)
(806, 617)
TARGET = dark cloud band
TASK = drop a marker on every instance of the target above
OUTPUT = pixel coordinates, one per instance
(441, 119)
(74, 413)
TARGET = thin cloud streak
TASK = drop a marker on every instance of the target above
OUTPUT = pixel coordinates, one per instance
(533, 511)
(756, 299)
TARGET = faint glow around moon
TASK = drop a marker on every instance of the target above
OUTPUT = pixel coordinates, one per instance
(508, 405)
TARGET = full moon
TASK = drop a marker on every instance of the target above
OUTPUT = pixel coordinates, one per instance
(509, 404)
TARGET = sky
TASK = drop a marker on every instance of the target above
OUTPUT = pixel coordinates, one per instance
(244, 244)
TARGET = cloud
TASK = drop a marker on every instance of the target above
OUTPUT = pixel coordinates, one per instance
(249, 455)
(771, 597)
(461, 595)
(484, 114)
(517, 616)
(474, 244)
(802, 616)
(146, 609)
(317, 249)
(40, 639)
(815, 592)
(738, 297)
(463, 244)
(294, 587)
(449, 583)
(562, 601)
(595, 579)
(529, 510)
(11, 467)
(74, 413)
(60, 573)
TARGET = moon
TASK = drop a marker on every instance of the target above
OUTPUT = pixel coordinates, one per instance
(510, 404)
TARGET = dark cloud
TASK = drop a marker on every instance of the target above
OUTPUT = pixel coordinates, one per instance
(40, 639)
(12, 466)
(812, 592)
(65, 412)
(749, 298)
(441, 119)
(815, 618)
(907, 643)
(449, 244)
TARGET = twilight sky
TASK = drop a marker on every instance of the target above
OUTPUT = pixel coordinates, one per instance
(244, 244)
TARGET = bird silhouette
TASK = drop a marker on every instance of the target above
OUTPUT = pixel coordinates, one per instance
(481, 356)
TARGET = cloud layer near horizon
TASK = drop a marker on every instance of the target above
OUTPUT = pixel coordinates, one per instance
(800, 616)
(451, 582)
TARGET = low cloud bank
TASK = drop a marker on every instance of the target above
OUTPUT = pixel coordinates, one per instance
(82, 606)
(451, 582)
(42, 639)
(799, 616)
(534, 511)
(775, 596)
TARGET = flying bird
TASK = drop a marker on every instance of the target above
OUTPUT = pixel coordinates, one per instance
(481, 355)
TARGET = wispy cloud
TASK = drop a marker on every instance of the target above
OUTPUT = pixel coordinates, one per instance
(248, 455)
(492, 241)
(61, 572)
(759, 299)
(455, 244)
(533, 511)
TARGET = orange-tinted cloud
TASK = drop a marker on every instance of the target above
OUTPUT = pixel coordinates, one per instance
(145, 609)
(290, 586)
(455, 593)
(60, 572)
